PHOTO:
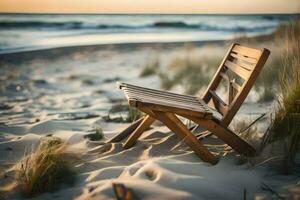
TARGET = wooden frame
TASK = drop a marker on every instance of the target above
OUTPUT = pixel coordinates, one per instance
(244, 62)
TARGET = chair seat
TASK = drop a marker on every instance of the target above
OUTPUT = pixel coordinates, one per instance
(166, 101)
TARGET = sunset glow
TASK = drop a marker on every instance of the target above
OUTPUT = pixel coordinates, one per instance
(150, 6)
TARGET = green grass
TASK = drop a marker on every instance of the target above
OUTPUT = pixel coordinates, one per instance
(133, 114)
(46, 168)
(98, 135)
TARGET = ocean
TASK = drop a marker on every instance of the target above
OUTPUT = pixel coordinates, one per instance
(23, 32)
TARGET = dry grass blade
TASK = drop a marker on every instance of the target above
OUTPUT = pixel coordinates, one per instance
(246, 130)
(264, 186)
(252, 123)
(46, 168)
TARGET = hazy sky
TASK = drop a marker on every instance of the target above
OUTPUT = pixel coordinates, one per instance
(151, 6)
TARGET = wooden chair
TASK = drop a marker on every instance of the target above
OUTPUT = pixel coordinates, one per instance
(239, 69)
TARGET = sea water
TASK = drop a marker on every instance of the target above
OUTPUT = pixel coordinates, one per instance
(23, 32)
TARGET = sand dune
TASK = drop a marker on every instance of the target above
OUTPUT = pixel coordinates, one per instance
(150, 169)
(41, 98)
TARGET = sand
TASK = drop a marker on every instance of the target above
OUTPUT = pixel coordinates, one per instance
(69, 93)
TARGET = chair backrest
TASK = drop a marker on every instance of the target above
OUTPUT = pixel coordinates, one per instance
(239, 69)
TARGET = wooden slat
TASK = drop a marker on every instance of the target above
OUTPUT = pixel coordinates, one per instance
(170, 108)
(226, 135)
(196, 108)
(215, 96)
(127, 131)
(246, 59)
(173, 104)
(175, 125)
(163, 99)
(149, 97)
(243, 73)
(125, 85)
(146, 123)
(220, 108)
(218, 103)
(224, 76)
(162, 96)
(244, 65)
(152, 97)
(246, 51)
(216, 79)
(236, 86)
(241, 96)
(185, 105)
(230, 93)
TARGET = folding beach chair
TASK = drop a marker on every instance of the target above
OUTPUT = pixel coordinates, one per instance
(239, 69)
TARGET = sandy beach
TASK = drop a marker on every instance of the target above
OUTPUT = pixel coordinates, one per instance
(71, 92)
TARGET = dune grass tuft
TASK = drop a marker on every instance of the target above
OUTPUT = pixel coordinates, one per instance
(133, 114)
(190, 69)
(151, 66)
(267, 81)
(46, 168)
(122, 112)
(98, 135)
(286, 120)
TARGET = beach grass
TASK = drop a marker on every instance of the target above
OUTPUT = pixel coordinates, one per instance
(285, 124)
(133, 114)
(98, 135)
(151, 67)
(125, 113)
(267, 83)
(46, 168)
(244, 129)
(248, 131)
(189, 70)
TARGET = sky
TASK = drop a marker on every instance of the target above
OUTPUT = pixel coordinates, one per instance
(150, 6)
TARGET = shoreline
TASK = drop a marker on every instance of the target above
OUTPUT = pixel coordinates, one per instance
(67, 50)
(166, 44)
(129, 44)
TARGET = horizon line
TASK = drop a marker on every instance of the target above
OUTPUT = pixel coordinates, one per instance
(137, 13)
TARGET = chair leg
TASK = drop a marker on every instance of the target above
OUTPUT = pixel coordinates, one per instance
(226, 135)
(147, 121)
(175, 125)
(127, 131)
